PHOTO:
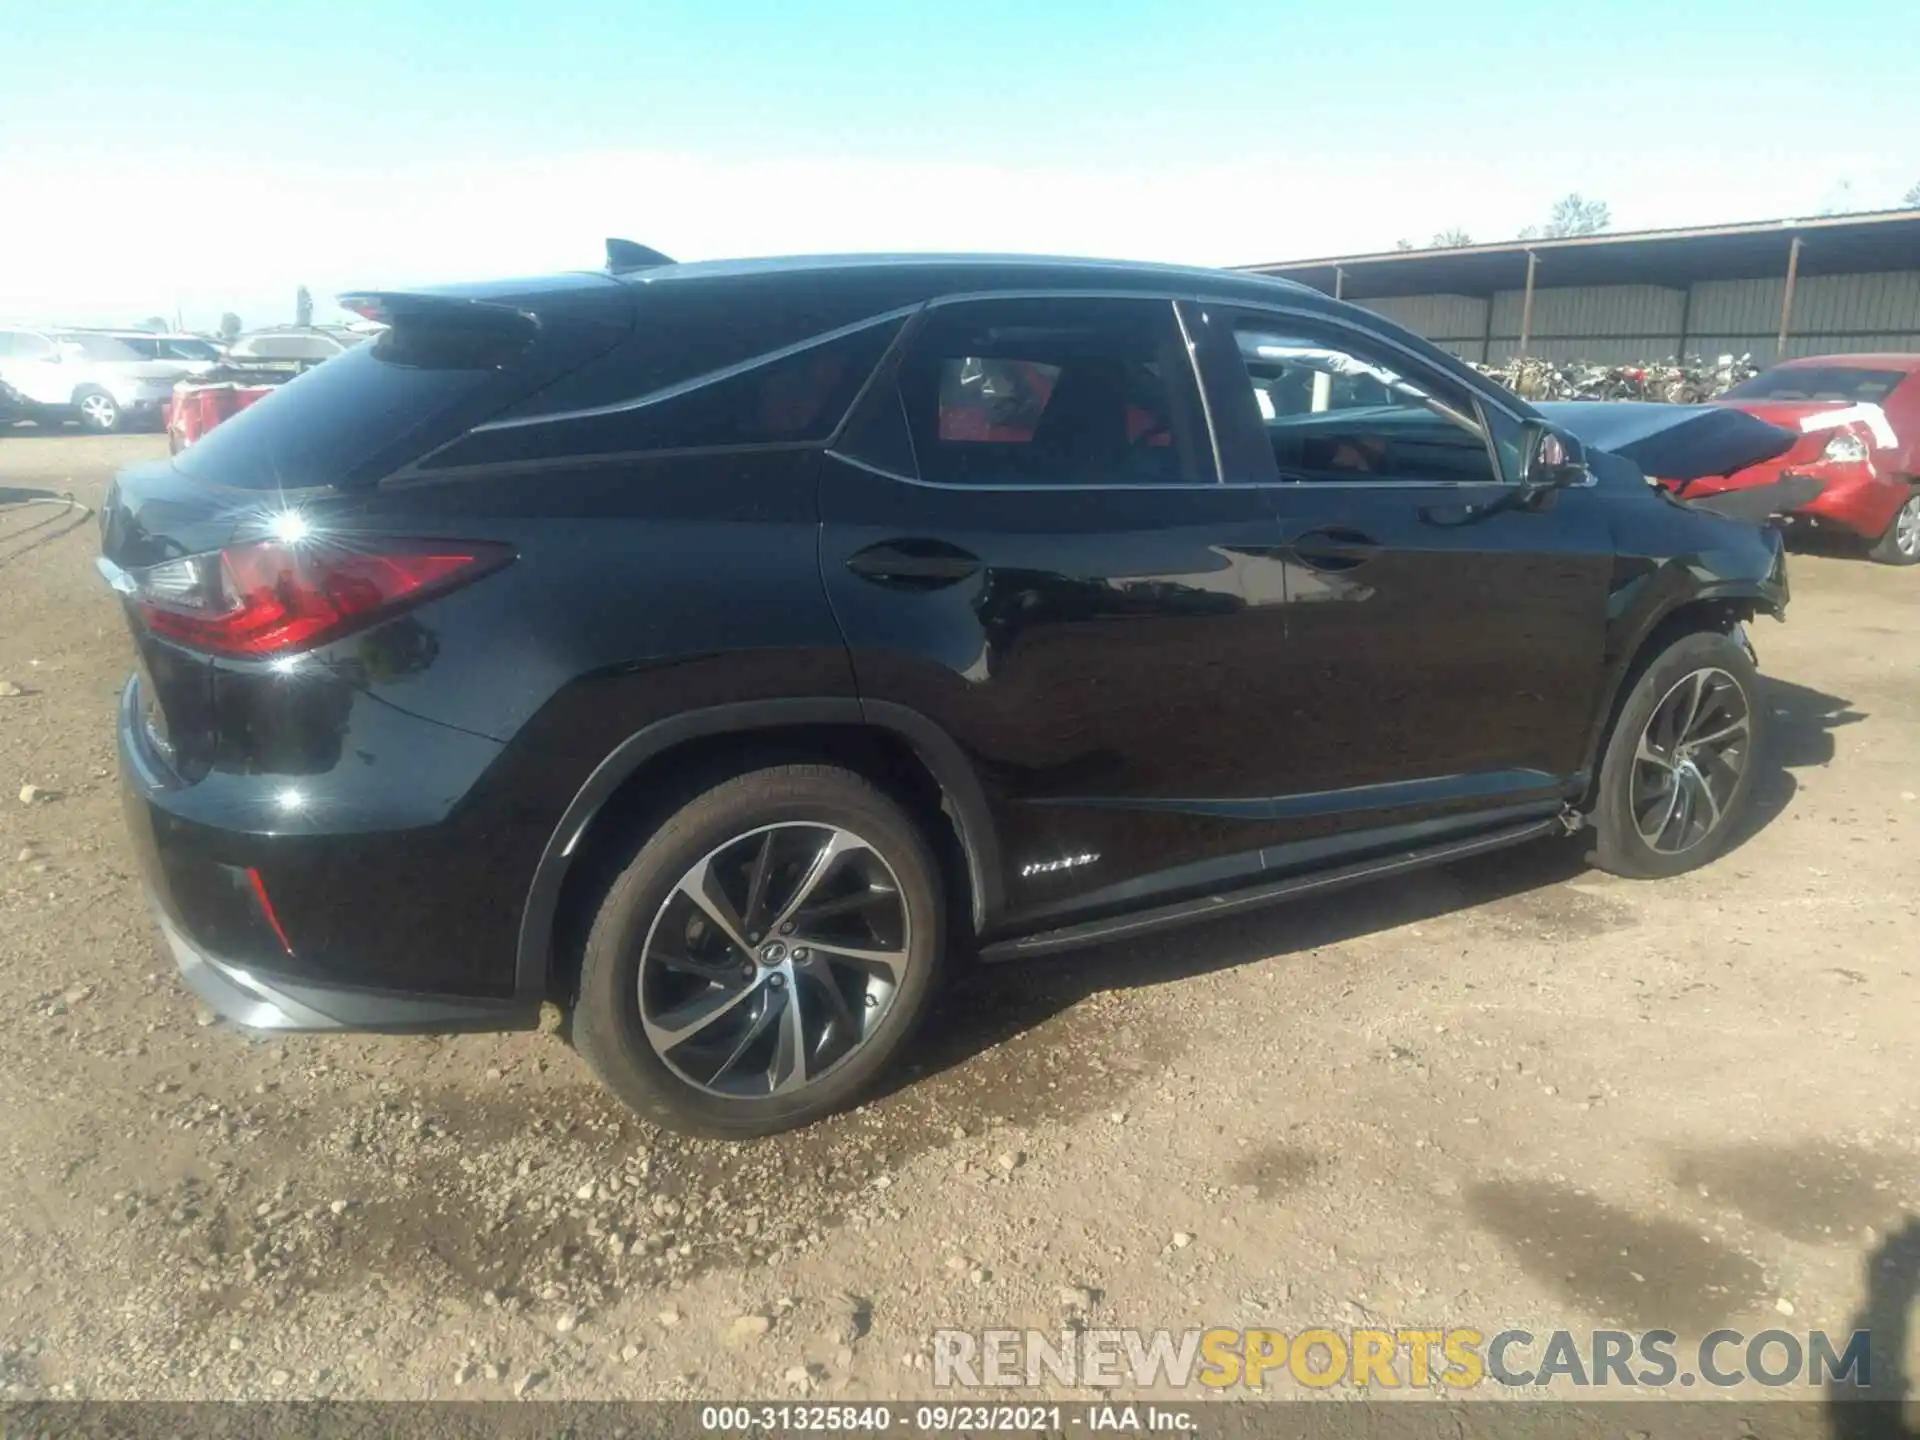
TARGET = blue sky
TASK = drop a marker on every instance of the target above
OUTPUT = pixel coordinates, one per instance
(214, 155)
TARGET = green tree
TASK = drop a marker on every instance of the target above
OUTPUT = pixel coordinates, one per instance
(1403, 245)
(1451, 239)
(1912, 197)
(303, 307)
(1573, 215)
(155, 324)
(229, 326)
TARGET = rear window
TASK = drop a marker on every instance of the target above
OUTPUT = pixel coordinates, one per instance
(373, 408)
(1820, 382)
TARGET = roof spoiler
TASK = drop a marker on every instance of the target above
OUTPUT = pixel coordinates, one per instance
(390, 307)
(625, 255)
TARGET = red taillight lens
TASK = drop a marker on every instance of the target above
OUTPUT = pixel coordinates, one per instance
(273, 597)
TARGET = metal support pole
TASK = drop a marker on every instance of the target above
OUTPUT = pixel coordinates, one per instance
(1526, 306)
(1786, 299)
(1339, 282)
(1686, 319)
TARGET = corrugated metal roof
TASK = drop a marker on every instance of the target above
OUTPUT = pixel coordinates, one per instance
(1831, 245)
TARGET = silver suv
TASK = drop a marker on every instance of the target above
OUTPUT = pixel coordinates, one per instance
(106, 380)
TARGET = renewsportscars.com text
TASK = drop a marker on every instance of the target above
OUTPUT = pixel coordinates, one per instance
(1456, 1358)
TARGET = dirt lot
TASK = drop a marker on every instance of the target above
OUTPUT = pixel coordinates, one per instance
(1510, 1092)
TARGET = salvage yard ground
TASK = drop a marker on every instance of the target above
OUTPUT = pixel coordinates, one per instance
(1513, 1091)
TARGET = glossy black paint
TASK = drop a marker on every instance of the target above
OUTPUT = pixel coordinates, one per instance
(1202, 687)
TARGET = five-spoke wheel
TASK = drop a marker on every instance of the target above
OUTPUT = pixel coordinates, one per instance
(1692, 753)
(773, 959)
(764, 955)
(1678, 770)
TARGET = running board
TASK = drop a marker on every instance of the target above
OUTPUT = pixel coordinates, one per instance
(1208, 907)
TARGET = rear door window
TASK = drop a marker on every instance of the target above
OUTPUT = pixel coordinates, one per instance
(1044, 392)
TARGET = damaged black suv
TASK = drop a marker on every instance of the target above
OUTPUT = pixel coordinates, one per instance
(724, 651)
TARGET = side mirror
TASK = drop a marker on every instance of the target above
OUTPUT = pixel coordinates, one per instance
(1550, 458)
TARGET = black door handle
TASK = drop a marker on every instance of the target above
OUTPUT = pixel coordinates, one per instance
(1335, 547)
(915, 564)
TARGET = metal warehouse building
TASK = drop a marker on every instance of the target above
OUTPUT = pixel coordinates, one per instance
(1771, 289)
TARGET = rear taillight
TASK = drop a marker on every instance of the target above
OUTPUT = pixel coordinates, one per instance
(274, 596)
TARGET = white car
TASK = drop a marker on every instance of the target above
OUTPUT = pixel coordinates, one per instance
(93, 376)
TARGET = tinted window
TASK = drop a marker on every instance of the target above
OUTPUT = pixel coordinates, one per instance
(144, 346)
(369, 409)
(1337, 408)
(188, 350)
(1819, 382)
(28, 346)
(799, 398)
(1053, 392)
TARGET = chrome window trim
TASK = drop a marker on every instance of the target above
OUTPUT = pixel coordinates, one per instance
(1200, 387)
(907, 314)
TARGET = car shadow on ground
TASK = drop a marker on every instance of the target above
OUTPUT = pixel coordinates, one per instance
(988, 1005)
(31, 517)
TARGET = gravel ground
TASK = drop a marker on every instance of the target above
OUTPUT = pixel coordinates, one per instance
(1513, 1091)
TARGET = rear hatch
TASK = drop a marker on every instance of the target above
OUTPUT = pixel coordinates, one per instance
(235, 555)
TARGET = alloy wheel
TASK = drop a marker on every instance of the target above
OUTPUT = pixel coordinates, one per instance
(773, 960)
(1689, 761)
(100, 411)
(1906, 528)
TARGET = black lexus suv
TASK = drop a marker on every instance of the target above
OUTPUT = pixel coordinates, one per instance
(725, 651)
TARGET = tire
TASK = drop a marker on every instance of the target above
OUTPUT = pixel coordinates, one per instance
(1632, 800)
(97, 410)
(653, 949)
(1901, 543)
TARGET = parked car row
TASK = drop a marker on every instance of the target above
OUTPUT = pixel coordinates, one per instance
(109, 380)
(106, 380)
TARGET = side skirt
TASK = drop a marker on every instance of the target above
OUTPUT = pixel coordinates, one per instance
(1207, 907)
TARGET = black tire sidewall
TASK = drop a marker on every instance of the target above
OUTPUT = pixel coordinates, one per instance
(606, 1020)
(1618, 847)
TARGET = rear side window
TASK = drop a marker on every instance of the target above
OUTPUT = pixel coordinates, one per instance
(1049, 393)
(372, 408)
(25, 346)
(794, 398)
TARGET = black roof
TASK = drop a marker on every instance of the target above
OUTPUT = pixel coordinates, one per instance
(1830, 245)
(939, 274)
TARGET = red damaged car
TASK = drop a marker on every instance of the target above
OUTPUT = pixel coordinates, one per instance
(1858, 422)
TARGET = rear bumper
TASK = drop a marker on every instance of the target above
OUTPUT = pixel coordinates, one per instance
(363, 930)
(1856, 496)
